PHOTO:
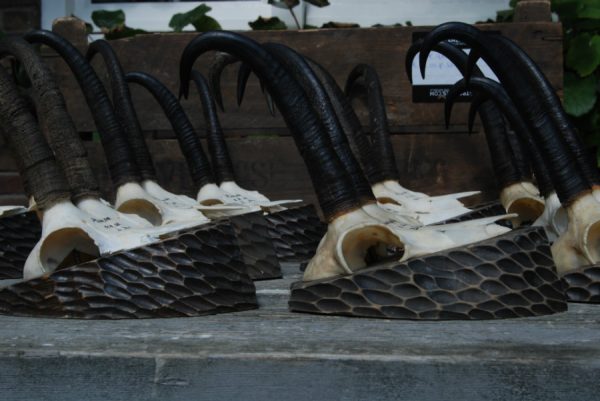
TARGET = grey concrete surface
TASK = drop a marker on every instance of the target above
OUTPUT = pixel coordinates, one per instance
(272, 354)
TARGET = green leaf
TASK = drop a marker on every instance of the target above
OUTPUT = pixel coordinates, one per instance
(206, 23)
(318, 3)
(108, 20)
(584, 25)
(89, 28)
(124, 32)
(267, 24)
(589, 9)
(579, 93)
(566, 9)
(340, 25)
(181, 20)
(583, 55)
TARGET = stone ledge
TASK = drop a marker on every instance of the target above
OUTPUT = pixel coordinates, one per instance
(271, 353)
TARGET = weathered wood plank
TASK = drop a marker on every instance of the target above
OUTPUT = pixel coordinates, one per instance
(533, 10)
(338, 50)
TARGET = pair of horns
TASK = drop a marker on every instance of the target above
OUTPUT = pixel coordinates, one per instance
(332, 184)
(571, 172)
(54, 119)
(43, 179)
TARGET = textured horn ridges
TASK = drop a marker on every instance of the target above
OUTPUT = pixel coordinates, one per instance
(521, 133)
(189, 142)
(410, 56)
(583, 285)
(320, 101)
(331, 182)
(566, 175)
(217, 147)
(509, 156)
(18, 235)
(509, 276)
(506, 165)
(364, 79)
(296, 233)
(242, 80)
(196, 273)
(41, 175)
(215, 70)
(54, 118)
(552, 105)
(120, 158)
(123, 106)
(359, 143)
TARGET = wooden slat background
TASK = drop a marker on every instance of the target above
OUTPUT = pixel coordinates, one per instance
(430, 158)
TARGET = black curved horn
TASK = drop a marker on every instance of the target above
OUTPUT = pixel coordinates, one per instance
(359, 142)
(123, 106)
(120, 158)
(552, 104)
(546, 134)
(366, 77)
(189, 142)
(215, 70)
(42, 177)
(320, 101)
(544, 171)
(54, 119)
(331, 182)
(217, 147)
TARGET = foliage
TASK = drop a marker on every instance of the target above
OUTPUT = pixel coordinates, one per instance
(333, 24)
(267, 24)
(197, 18)
(581, 39)
(112, 24)
(581, 29)
(290, 4)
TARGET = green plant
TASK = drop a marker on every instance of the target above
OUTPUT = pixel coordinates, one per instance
(197, 18)
(112, 24)
(270, 24)
(289, 5)
(581, 46)
(581, 28)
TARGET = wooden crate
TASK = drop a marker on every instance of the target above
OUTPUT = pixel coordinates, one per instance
(430, 158)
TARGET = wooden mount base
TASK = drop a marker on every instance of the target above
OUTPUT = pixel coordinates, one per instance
(195, 273)
(512, 275)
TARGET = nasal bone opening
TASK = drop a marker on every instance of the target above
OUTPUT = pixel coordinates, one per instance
(143, 208)
(387, 199)
(593, 242)
(211, 202)
(527, 209)
(365, 246)
(67, 247)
